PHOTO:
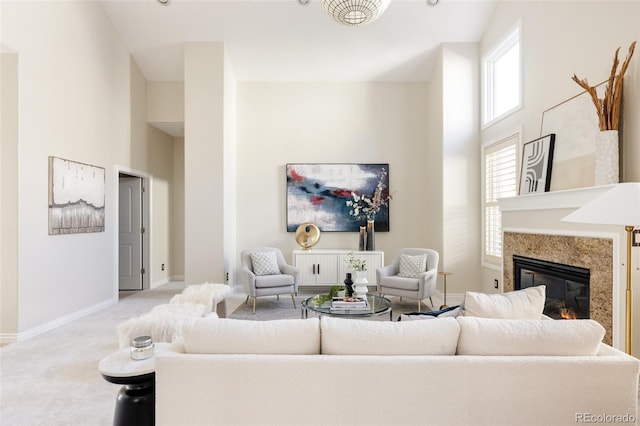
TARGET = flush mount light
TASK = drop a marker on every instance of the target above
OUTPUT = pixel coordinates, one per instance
(164, 2)
(355, 12)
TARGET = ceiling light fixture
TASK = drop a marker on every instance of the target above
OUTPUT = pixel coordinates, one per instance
(355, 12)
(164, 2)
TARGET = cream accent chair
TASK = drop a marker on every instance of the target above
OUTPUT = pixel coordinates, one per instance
(269, 285)
(389, 283)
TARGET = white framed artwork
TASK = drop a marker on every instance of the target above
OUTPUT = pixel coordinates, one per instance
(76, 197)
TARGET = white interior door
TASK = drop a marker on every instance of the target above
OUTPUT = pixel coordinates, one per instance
(130, 239)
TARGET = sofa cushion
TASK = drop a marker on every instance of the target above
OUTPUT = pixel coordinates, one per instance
(265, 263)
(341, 336)
(231, 336)
(520, 304)
(488, 336)
(412, 266)
(395, 281)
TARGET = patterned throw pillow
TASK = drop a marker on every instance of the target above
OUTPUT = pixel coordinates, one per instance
(265, 263)
(412, 266)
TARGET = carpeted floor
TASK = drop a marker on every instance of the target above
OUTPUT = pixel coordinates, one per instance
(53, 379)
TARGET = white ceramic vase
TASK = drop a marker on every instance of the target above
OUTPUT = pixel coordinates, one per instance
(606, 158)
(360, 284)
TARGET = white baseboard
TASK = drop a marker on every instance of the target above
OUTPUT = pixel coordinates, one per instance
(159, 283)
(6, 338)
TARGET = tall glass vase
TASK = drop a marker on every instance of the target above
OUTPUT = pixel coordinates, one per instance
(371, 235)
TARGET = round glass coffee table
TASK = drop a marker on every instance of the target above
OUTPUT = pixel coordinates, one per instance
(378, 305)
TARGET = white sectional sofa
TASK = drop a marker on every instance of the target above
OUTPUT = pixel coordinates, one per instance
(445, 371)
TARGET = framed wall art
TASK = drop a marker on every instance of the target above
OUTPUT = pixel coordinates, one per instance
(575, 124)
(337, 197)
(537, 161)
(76, 197)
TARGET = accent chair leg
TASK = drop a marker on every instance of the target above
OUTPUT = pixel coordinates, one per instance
(419, 305)
(431, 300)
(254, 305)
(246, 300)
(277, 297)
(293, 299)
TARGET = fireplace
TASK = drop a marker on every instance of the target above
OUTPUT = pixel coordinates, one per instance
(567, 286)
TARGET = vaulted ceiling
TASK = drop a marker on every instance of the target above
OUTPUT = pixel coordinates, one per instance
(281, 40)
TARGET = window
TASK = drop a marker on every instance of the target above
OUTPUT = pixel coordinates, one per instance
(500, 177)
(501, 78)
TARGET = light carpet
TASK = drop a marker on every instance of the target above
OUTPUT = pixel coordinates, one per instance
(53, 379)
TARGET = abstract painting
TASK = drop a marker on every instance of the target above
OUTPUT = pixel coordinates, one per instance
(76, 197)
(330, 196)
(537, 159)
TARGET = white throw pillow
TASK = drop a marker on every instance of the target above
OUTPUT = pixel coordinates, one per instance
(341, 336)
(265, 263)
(231, 336)
(412, 266)
(487, 336)
(520, 304)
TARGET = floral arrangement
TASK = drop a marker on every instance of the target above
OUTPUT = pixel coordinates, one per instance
(608, 108)
(363, 206)
(355, 263)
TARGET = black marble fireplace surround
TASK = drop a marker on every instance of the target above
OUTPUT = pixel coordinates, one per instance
(567, 286)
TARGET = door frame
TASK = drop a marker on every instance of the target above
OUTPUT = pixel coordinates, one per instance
(147, 180)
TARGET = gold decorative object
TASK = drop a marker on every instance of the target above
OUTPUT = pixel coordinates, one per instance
(307, 235)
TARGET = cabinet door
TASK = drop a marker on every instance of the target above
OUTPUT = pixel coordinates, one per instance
(326, 269)
(307, 266)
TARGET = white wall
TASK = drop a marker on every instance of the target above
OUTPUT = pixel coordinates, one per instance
(460, 167)
(152, 152)
(81, 99)
(281, 123)
(204, 162)
(165, 102)
(177, 212)
(559, 39)
(230, 171)
(74, 104)
(9, 193)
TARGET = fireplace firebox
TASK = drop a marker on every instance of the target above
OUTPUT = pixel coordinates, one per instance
(567, 286)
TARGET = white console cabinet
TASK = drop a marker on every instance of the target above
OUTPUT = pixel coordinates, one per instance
(327, 267)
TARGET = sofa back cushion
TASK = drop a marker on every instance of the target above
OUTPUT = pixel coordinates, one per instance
(520, 304)
(232, 336)
(487, 336)
(341, 336)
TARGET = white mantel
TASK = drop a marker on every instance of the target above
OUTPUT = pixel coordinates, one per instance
(565, 199)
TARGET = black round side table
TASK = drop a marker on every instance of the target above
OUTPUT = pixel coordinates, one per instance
(135, 403)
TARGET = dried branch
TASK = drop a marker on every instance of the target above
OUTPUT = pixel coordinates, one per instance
(608, 108)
